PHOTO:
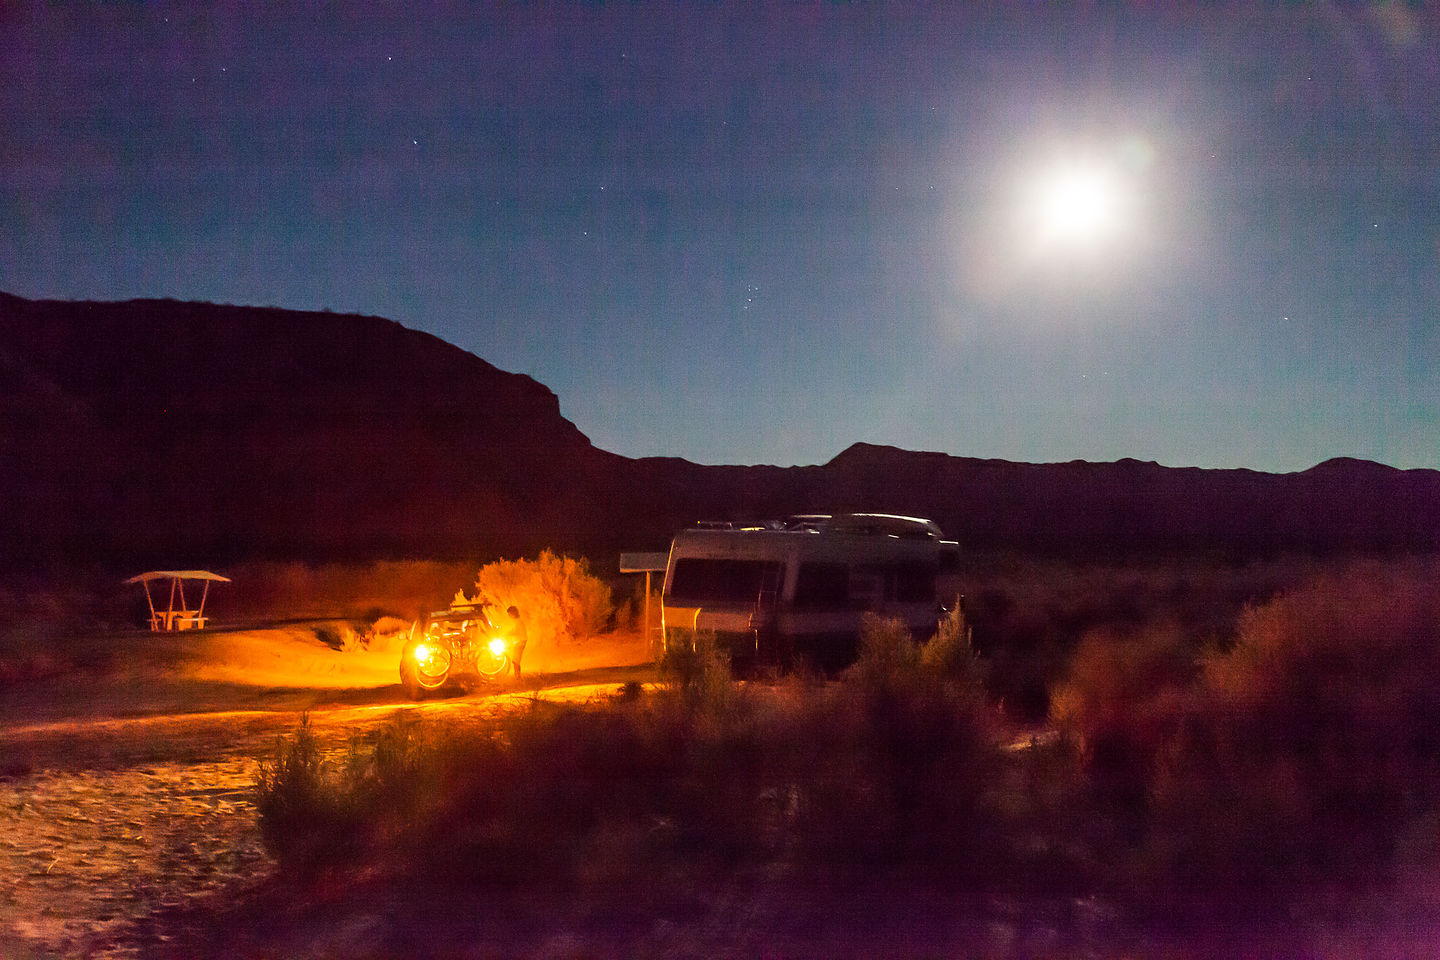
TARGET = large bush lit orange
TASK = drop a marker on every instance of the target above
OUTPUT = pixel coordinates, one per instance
(558, 597)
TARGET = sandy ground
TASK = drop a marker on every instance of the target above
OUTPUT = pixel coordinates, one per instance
(126, 793)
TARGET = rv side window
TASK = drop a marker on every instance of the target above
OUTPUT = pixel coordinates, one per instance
(914, 583)
(822, 585)
(867, 585)
(700, 580)
(892, 583)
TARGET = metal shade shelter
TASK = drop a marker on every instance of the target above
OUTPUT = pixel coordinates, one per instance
(177, 615)
(646, 563)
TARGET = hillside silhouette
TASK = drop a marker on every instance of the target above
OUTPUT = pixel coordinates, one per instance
(155, 432)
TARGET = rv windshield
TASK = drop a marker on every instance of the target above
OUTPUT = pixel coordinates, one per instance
(699, 580)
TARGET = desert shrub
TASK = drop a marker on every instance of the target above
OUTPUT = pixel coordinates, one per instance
(1313, 744)
(334, 636)
(558, 597)
(908, 752)
(387, 634)
(1029, 615)
(305, 816)
(1121, 703)
(698, 671)
(951, 652)
(1115, 677)
(894, 768)
(889, 658)
(892, 664)
(529, 794)
(317, 809)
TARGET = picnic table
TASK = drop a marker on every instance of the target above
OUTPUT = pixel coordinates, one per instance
(177, 614)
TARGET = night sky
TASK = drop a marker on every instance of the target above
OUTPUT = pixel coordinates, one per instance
(760, 234)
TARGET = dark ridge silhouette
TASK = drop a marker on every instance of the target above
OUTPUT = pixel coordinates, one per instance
(154, 431)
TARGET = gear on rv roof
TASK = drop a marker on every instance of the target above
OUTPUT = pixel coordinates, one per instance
(873, 524)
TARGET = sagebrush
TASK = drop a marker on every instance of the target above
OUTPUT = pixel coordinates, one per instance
(557, 596)
(1298, 748)
(896, 765)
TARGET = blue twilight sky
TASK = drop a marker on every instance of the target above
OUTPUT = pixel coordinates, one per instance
(758, 234)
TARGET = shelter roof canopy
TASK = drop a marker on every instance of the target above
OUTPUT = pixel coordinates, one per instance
(177, 575)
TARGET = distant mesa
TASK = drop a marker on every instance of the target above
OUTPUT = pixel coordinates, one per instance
(160, 432)
(1349, 466)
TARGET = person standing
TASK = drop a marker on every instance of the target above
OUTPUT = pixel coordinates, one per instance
(517, 636)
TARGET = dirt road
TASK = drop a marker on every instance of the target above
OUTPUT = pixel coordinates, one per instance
(112, 826)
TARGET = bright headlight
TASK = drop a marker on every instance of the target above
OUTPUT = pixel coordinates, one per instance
(497, 646)
(422, 652)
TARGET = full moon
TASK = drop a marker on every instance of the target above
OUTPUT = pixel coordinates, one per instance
(1076, 203)
(1075, 206)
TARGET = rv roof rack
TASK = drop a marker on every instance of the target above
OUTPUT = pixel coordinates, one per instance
(864, 524)
(739, 525)
(885, 524)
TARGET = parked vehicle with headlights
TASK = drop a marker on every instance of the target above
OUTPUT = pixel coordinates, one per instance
(452, 646)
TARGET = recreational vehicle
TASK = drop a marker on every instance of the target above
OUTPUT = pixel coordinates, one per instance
(794, 591)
